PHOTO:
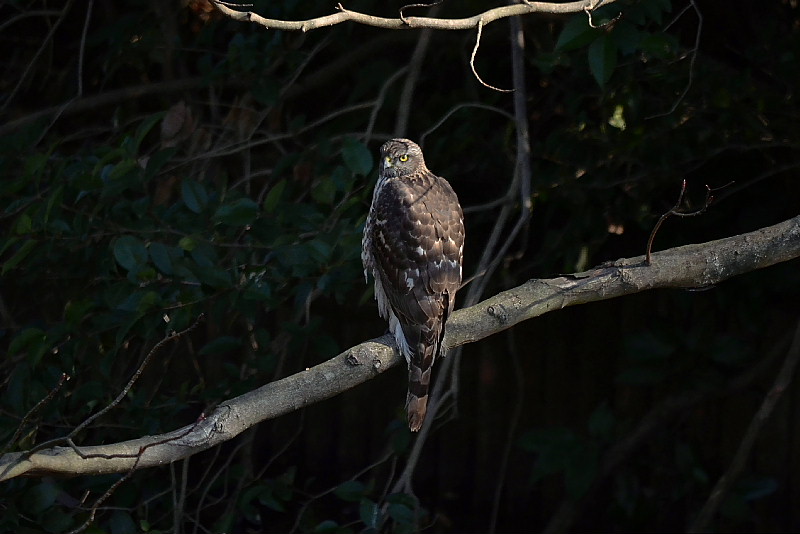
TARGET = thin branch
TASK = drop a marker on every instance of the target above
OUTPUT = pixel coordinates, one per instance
(458, 107)
(171, 337)
(33, 411)
(414, 68)
(607, 24)
(472, 61)
(655, 420)
(82, 48)
(36, 13)
(682, 267)
(74, 106)
(782, 382)
(405, 23)
(23, 78)
(692, 61)
(446, 384)
(137, 458)
(509, 443)
(522, 170)
(68, 439)
(674, 211)
(100, 500)
(379, 100)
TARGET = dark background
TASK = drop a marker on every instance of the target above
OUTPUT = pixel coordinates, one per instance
(210, 166)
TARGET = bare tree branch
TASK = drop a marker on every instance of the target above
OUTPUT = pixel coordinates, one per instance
(690, 266)
(656, 419)
(405, 23)
(721, 489)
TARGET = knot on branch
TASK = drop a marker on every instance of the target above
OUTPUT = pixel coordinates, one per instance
(498, 312)
(361, 355)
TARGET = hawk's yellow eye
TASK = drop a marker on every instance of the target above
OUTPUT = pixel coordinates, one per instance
(404, 157)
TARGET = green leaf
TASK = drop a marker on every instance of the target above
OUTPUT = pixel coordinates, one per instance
(350, 490)
(617, 120)
(187, 243)
(602, 59)
(274, 195)
(57, 520)
(342, 179)
(757, 488)
(580, 472)
(401, 513)
(324, 191)
(18, 256)
(157, 160)
(654, 9)
(130, 252)
(327, 526)
(658, 45)
(150, 300)
(24, 225)
(356, 156)
(368, 512)
(146, 125)
(320, 250)
(194, 195)
(122, 523)
(160, 255)
(40, 497)
(76, 310)
(25, 339)
(257, 289)
(56, 199)
(269, 500)
(240, 212)
(627, 37)
(576, 33)
(215, 277)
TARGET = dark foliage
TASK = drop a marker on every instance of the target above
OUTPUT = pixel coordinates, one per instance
(160, 162)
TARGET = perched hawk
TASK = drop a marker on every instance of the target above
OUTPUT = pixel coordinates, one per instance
(413, 245)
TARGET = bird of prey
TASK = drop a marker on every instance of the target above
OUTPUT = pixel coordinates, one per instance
(413, 245)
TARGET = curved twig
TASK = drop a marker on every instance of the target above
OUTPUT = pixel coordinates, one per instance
(692, 61)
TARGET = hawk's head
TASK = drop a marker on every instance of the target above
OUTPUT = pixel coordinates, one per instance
(401, 157)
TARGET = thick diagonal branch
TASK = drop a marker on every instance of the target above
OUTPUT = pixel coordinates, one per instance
(690, 266)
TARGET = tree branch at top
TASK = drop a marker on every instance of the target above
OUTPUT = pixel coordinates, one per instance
(403, 22)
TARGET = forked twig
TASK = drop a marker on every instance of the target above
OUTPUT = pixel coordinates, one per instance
(138, 456)
(782, 382)
(33, 411)
(171, 337)
(68, 438)
(609, 24)
(409, 6)
(674, 211)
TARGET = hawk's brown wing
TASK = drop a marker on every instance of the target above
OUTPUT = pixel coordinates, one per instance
(417, 239)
